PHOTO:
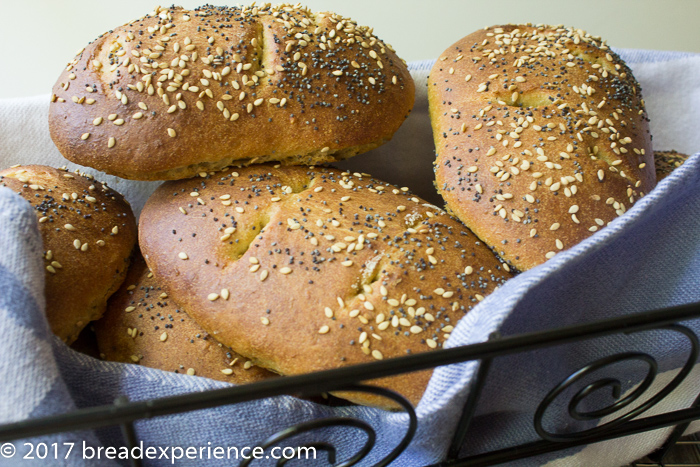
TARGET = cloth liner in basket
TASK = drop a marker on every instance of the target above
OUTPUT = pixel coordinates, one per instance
(649, 258)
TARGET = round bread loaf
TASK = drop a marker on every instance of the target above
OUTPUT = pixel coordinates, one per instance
(179, 92)
(667, 161)
(143, 325)
(88, 232)
(305, 269)
(541, 137)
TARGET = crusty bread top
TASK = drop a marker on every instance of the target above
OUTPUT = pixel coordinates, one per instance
(178, 92)
(541, 135)
(304, 269)
(667, 161)
(143, 325)
(88, 231)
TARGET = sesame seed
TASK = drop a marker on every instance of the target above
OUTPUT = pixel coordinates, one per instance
(213, 296)
(171, 133)
(285, 270)
(182, 255)
(362, 338)
(164, 337)
(227, 371)
(324, 329)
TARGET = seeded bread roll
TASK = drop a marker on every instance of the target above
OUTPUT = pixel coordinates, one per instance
(88, 232)
(667, 161)
(541, 137)
(179, 92)
(305, 269)
(143, 325)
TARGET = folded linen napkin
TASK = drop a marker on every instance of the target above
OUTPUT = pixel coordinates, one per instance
(648, 258)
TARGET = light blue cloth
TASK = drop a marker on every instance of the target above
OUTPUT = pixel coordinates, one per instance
(648, 258)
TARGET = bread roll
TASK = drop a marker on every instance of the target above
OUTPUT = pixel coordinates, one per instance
(541, 137)
(667, 161)
(306, 269)
(143, 325)
(179, 92)
(88, 232)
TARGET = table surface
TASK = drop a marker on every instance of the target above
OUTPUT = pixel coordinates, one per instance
(41, 36)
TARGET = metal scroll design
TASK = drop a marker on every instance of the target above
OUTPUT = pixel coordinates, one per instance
(616, 386)
(349, 422)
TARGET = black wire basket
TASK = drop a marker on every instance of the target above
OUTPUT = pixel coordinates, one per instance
(625, 416)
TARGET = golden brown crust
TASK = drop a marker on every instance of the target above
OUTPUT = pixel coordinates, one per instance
(541, 138)
(88, 232)
(143, 325)
(302, 297)
(317, 88)
(667, 161)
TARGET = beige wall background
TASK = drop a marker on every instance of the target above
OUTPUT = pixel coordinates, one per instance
(38, 37)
